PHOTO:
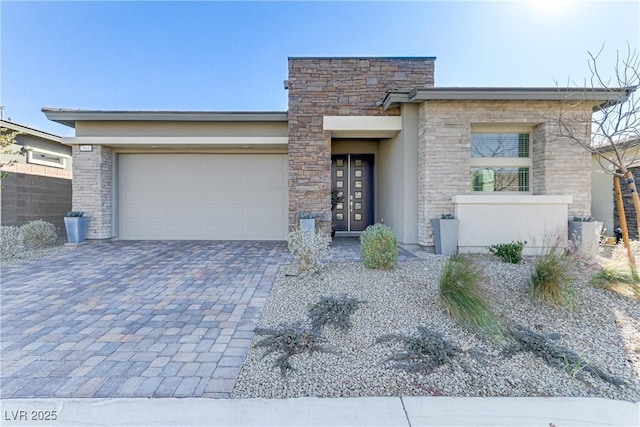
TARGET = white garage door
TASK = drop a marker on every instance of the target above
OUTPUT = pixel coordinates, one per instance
(203, 196)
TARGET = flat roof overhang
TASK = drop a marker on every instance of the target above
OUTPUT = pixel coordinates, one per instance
(69, 117)
(362, 126)
(601, 98)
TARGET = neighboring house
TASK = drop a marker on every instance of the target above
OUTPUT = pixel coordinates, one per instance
(38, 184)
(401, 152)
(603, 202)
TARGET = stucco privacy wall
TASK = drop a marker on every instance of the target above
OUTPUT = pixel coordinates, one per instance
(92, 188)
(336, 87)
(559, 167)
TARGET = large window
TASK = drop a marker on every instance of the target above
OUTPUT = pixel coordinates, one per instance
(500, 162)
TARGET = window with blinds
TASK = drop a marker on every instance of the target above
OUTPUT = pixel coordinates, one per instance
(500, 162)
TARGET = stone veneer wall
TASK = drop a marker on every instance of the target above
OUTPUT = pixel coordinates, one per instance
(558, 166)
(336, 87)
(92, 189)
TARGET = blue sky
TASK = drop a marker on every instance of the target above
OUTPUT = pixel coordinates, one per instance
(220, 56)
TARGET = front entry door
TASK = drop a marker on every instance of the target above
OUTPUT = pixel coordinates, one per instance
(352, 178)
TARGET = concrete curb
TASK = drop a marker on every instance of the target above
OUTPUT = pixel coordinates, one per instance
(311, 411)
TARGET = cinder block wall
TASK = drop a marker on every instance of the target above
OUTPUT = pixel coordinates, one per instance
(336, 87)
(559, 166)
(92, 184)
(28, 197)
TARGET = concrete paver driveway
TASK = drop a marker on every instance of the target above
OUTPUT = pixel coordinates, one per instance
(133, 319)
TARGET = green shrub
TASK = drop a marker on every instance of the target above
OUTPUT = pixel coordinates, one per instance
(39, 234)
(11, 242)
(309, 249)
(610, 276)
(334, 311)
(461, 299)
(379, 247)
(509, 252)
(551, 279)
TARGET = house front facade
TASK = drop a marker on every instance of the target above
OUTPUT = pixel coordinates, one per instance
(376, 131)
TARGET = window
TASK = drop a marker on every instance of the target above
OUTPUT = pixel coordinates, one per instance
(46, 158)
(500, 162)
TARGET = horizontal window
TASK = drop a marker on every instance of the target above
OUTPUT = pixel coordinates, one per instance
(499, 145)
(500, 179)
(46, 158)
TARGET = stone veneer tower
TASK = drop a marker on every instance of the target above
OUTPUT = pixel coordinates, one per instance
(337, 87)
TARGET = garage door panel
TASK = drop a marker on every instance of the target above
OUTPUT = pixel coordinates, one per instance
(203, 196)
(266, 198)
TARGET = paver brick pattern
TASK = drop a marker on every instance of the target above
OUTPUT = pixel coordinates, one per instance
(137, 318)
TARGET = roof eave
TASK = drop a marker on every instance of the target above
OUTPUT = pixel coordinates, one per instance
(31, 131)
(70, 117)
(602, 98)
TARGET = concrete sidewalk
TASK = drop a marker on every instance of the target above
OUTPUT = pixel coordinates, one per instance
(367, 411)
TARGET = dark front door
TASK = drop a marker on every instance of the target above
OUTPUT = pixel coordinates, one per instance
(352, 177)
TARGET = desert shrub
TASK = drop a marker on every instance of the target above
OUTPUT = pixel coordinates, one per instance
(424, 351)
(617, 270)
(509, 252)
(334, 311)
(11, 242)
(551, 279)
(39, 234)
(309, 249)
(379, 247)
(556, 355)
(289, 340)
(609, 276)
(461, 299)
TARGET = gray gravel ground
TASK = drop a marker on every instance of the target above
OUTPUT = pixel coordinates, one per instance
(32, 254)
(604, 329)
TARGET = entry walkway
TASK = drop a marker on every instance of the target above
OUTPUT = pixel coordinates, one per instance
(366, 411)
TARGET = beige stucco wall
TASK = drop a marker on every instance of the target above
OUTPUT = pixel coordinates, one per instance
(541, 221)
(180, 129)
(398, 190)
(559, 167)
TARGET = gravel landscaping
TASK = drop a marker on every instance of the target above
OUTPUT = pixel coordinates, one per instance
(604, 329)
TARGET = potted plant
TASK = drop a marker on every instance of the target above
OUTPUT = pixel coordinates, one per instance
(584, 235)
(76, 225)
(335, 199)
(307, 221)
(445, 234)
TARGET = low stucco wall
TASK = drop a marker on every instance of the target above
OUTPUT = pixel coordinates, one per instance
(541, 221)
